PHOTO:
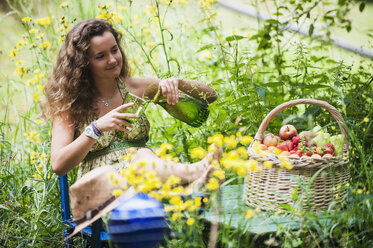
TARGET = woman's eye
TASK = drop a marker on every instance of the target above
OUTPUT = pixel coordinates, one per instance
(115, 50)
(100, 57)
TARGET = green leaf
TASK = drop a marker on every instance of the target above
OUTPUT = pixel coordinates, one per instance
(204, 48)
(273, 21)
(234, 37)
(310, 30)
(294, 195)
(3, 207)
(362, 6)
(261, 91)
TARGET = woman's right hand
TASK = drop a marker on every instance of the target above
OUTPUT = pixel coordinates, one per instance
(114, 120)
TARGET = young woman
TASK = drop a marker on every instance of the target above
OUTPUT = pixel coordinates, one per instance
(87, 99)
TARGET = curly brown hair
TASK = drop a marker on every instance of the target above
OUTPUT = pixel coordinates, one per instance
(70, 90)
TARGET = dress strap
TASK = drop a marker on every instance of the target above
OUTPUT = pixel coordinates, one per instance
(116, 146)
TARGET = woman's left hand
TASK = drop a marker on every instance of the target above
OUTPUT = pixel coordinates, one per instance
(170, 89)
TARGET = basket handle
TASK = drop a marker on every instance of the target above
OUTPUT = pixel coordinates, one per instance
(332, 110)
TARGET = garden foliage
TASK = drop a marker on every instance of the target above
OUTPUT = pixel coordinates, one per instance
(252, 69)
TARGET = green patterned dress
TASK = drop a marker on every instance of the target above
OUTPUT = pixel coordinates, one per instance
(110, 148)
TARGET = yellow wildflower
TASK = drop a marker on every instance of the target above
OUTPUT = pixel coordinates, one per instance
(252, 165)
(243, 152)
(219, 174)
(190, 221)
(21, 43)
(213, 184)
(366, 119)
(249, 214)
(33, 31)
(176, 216)
(173, 180)
(163, 149)
(268, 164)
(359, 191)
(230, 141)
(117, 192)
(13, 53)
(168, 208)
(245, 140)
(197, 201)
(232, 155)
(26, 19)
(241, 171)
(43, 21)
(286, 164)
(217, 139)
(337, 196)
(19, 62)
(176, 200)
(45, 45)
(198, 152)
(64, 5)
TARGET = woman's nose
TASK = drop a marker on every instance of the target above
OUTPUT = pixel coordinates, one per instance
(111, 59)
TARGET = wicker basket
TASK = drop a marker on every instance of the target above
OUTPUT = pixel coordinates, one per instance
(273, 186)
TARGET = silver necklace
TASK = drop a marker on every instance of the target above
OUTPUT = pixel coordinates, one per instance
(106, 103)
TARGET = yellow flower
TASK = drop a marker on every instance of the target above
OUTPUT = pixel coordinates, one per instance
(252, 165)
(19, 62)
(43, 21)
(238, 134)
(286, 163)
(21, 43)
(339, 186)
(163, 149)
(213, 184)
(117, 192)
(168, 208)
(26, 19)
(64, 4)
(190, 221)
(230, 141)
(197, 201)
(366, 119)
(249, 214)
(198, 152)
(241, 171)
(337, 196)
(347, 184)
(243, 152)
(173, 180)
(359, 191)
(219, 174)
(176, 216)
(33, 31)
(333, 127)
(175, 200)
(268, 164)
(13, 53)
(245, 140)
(45, 45)
(217, 139)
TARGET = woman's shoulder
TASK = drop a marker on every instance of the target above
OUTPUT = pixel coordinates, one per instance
(137, 85)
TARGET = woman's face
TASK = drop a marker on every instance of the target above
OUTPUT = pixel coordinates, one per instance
(105, 58)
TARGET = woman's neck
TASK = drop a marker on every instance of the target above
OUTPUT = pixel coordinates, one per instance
(106, 87)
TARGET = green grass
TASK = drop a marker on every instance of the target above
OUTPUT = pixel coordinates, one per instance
(251, 81)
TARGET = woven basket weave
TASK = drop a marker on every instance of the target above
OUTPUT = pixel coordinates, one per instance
(273, 186)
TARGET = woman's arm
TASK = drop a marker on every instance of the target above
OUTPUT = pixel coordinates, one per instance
(171, 86)
(66, 152)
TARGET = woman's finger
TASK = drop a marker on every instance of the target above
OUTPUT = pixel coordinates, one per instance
(124, 106)
(126, 115)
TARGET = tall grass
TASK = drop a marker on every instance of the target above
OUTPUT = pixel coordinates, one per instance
(253, 72)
